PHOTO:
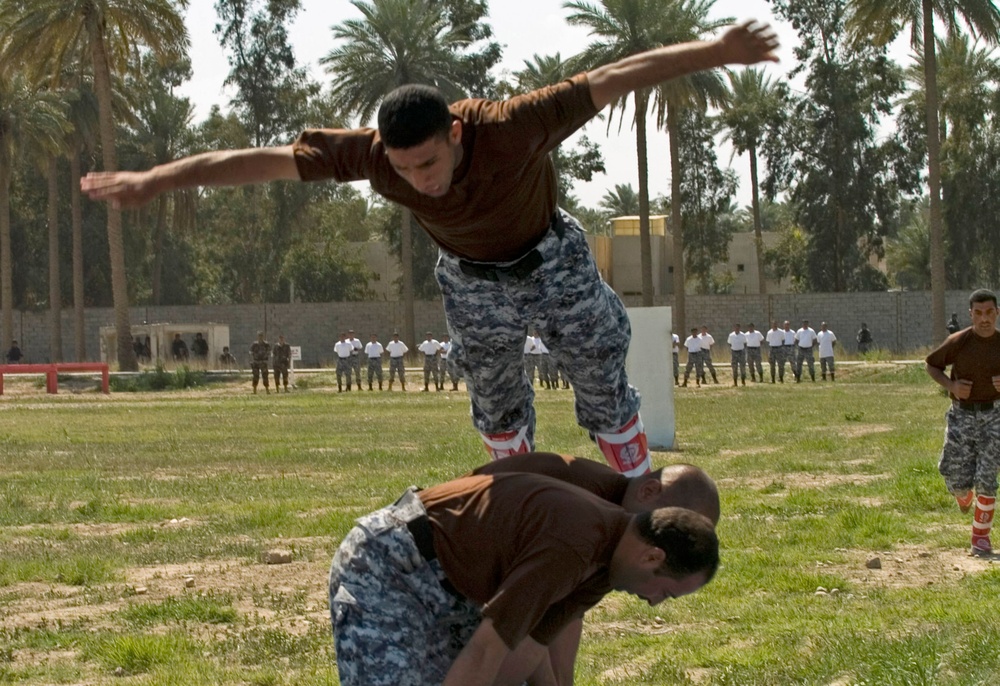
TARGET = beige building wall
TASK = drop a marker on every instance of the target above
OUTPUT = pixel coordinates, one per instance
(384, 266)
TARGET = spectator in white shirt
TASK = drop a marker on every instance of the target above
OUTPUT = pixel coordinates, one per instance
(754, 339)
(396, 349)
(776, 351)
(738, 351)
(430, 348)
(676, 352)
(373, 351)
(805, 339)
(344, 349)
(826, 339)
(706, 354)
(693, 346)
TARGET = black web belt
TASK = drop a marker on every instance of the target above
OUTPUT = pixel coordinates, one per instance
(974, 407)
(517, 270)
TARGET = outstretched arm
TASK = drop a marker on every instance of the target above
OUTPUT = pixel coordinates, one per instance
(220, 168)
(746, 43)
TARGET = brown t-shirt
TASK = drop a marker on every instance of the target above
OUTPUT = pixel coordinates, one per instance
(503, 193)
(590, 475)
(533, 551)
(971, 357)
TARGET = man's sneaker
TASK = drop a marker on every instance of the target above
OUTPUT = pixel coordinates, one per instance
(965, 501)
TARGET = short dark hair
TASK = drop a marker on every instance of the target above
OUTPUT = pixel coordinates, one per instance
(411, 115)
(982, 295)
(687, 539)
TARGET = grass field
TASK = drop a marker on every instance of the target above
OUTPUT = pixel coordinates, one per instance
(132, 529)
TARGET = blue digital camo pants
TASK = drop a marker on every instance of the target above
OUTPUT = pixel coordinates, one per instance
(394, 624)
(582, 321)
(971, 454)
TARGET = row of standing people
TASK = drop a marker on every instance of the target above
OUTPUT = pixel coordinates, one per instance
(785, 345)
(538, 359)
(437, 366)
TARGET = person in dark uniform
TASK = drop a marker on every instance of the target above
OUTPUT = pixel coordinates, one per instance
(14, 353)
(282, 360)
(260, 355)
(179, 349)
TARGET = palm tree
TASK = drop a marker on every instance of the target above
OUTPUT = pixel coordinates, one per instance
(623, 28)
(621, 202)
(755, 101)
(881, 21)
(688, 21)
(399, 42)
(47, 32)
(30, 119)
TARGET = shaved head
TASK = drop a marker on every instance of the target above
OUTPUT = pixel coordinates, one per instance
(678, 485)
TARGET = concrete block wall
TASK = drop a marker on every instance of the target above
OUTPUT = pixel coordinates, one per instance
(898, 321)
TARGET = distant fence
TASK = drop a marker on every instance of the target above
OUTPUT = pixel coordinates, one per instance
(898, 321)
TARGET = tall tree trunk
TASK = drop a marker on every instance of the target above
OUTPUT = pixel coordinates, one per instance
(116, 246)
(6, 265)
(406, 257)
(55, 290)
(645, 244)
(676, 222)
(158, 231)
(758, 229)
(79, 336)
(938, 285)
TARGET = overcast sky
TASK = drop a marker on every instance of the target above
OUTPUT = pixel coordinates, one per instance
(524, 28)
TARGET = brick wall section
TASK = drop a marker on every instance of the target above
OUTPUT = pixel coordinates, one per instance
(898, 321)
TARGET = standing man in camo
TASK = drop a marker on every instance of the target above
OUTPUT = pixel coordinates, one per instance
(676, 345)
(260, 355)
(707, 341)
(430, 348)
(359, 348)
(775, 354)
(478, 177)
(826, 338)
(693, 346)
(397, 352)
(282, 356)
(448, 363)
(970, 458)
(344, 349)
(805, 341)
(738, 354)
(789, 349)
(754, 339)
(373, 353)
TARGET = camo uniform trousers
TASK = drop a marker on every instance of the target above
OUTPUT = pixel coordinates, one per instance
(356, 366)
(677, 367)
(971, 454)
(431, 369)
(375, 369)
(804, 355)
(826, 363)
(694, 361)
(753, 361)
(394, 624)
(344, 366)
(581, 320)
(396, 366)
(738, 363)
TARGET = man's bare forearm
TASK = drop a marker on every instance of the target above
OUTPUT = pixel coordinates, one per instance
(227, 168)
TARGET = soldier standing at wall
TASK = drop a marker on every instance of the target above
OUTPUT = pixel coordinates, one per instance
(826, 339)
(775, 351)
(693, 346)
(356, 355)
(707, 341)
(864, 339)
(344, 350)
(448, 363)
(430, 348)
(788, 350)
(396, 349)
(260, 354)
(282, 359)
(738, 354)
(373, 351)
(754, 339)
(805, 339)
